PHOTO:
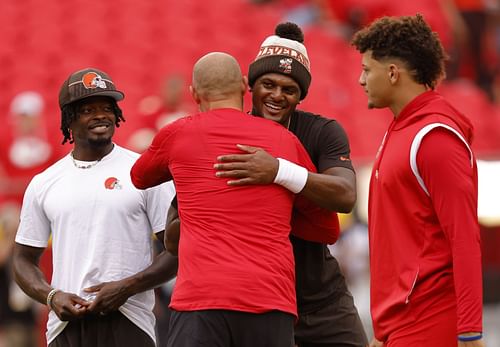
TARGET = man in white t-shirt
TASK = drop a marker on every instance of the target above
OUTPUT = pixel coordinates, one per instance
(101, 226)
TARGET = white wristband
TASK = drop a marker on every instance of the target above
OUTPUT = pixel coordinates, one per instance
(291, 176)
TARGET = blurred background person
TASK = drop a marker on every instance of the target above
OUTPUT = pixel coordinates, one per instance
(157, 110)
(468, 52)
(17, 310)
(26, 150)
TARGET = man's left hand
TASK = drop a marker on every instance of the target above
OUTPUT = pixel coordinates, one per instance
(477, 343)
(109, 296)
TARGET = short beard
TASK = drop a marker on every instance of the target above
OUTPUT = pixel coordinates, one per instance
(99, 142)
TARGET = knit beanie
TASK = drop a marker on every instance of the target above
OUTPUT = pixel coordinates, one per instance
(283, 53)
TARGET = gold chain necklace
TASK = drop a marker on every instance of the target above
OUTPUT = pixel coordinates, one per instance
(80, 166)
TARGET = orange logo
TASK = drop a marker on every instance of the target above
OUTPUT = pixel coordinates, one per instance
(112, 183)
(344, 159)
(92, 80)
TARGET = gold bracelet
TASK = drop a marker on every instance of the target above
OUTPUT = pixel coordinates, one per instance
(50, 296)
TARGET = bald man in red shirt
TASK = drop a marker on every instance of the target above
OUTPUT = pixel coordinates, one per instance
(236, 283)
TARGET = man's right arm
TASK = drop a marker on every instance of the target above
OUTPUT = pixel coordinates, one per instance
(334, 189)
(32, 281)
(151, 169)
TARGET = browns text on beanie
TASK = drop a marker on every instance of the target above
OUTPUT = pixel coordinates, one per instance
(283, 53)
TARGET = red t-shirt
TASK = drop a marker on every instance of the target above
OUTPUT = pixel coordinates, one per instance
(234, 252)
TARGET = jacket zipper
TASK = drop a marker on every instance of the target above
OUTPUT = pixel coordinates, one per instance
(412, 287)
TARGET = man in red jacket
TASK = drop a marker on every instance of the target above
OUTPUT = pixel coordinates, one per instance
(425, 256)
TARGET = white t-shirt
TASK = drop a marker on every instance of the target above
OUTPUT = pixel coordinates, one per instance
(101, 228)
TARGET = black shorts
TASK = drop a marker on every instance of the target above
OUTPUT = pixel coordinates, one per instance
(111, 330)
(336, 324)
(224, 328)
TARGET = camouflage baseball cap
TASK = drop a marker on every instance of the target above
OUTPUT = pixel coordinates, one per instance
(86, 83)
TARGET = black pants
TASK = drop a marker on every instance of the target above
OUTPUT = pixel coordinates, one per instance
(224, 328)
(336, 324)
(111, 330)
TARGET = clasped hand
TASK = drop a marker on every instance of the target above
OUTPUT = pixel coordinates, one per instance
(109, 296)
